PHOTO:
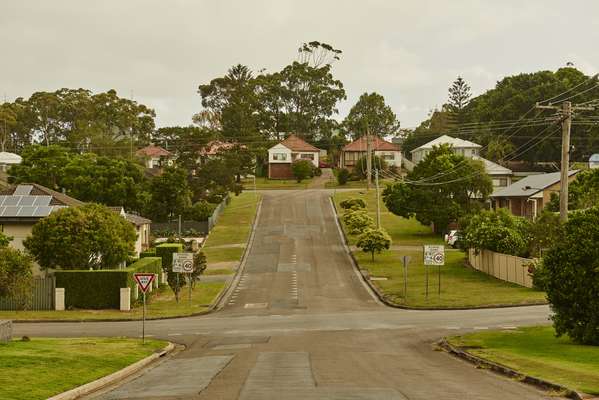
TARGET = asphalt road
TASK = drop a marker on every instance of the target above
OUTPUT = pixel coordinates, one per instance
(300, 325)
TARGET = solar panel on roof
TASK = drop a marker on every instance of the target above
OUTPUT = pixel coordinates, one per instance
(2, 198)
(42, 200)
(10, 211)
(22, 190)
(12, 200)
(26, 211)
(27, 201)
(42, 211)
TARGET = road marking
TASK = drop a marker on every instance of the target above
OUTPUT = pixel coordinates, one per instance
(452, 327)
(508, 327)
(481, 328)
(175, 334)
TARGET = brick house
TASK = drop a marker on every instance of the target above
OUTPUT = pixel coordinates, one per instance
(283, 154)
(352, 152)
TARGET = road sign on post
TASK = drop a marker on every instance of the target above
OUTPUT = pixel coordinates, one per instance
(144, 280)
(406, 261)
(434, 255)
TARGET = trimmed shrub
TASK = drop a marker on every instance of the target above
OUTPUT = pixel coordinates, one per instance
(353, 204)
(165, 251)
(302, 169)
(357, 221)
(343, 176)
(148, 253)
(374, 241)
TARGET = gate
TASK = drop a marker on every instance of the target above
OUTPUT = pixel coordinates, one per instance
(40, 298)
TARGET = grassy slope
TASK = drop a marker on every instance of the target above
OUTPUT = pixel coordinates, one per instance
(460, 286)
(162, 304)
(45, 367)
(537, 352)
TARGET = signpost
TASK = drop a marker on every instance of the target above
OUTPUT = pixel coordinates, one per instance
(144, 280)
(183, 263)
(406, 261)
(434, 255)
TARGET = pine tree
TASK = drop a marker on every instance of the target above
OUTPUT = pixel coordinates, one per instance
(459, 97)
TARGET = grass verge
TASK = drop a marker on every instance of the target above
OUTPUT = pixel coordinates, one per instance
(461, 286)
(265, 184)
(162, 305)
(42, 367)
(535, 351)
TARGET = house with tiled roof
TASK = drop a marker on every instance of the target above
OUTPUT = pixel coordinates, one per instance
(142, 228)
(155, 156)
(283, 154)
(352, 152)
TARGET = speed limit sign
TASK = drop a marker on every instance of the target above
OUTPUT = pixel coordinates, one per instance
(183, 262)
(434, 255)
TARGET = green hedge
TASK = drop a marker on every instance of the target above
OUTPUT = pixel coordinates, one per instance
(165, 251)
(148, 253)
(102, 288)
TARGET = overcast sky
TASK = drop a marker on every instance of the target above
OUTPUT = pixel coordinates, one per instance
(408, 51)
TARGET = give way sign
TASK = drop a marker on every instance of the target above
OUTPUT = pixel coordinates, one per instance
(144, 280)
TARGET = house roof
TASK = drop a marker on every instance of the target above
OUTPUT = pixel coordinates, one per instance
(445, 139)
(9, 158)
(530, 185)
(215, 146)
(294, 143)
(32, 201)
(153, 151)
(137, 219)
(493, 168)
(377, 144)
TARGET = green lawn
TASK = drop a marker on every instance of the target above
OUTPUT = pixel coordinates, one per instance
(334, 184)
(42, 368)
(403, 231)
(460, 286)
(537, 352)
(265, 184)
(235, 223)
(162, 304)
(216, 255)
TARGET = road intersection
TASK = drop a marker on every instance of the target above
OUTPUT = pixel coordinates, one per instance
(299, 324)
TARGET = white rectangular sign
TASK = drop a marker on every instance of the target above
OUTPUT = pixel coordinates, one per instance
(183, 263)
(434, 254)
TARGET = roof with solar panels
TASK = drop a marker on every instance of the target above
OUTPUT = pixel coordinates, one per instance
(32, 201)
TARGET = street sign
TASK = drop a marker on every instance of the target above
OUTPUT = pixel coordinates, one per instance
(434, 254)
(183, 262)
(144, 280)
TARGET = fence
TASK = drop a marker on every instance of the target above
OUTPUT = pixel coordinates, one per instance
(41, 297)
(5, 331)
(502, 266)
(202, 227)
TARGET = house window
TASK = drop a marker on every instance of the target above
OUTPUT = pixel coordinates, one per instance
(388, 157)
(308, 156)
(279, 156)
(500, 182)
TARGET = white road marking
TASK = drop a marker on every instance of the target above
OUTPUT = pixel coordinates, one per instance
(175, 334)
(452, 327)
(481, 328)
(508, 327)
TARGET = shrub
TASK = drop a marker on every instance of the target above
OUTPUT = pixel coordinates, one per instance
(15, 275)
(317, 172)
(361, 167)
(200, 211)
(343, 176)
(357, 221)
(572, 284)
(148, 253)
(165, 251)
(374, 240)
(302, 169)
(353, 203)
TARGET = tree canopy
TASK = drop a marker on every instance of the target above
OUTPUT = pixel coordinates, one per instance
(372, 114)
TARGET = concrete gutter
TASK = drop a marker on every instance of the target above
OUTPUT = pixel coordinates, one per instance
(114, 377)
(509, 372)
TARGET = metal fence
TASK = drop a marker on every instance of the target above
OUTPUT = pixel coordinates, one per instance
(40, 298)
(502, 266)
(202, 227)
(5, 331)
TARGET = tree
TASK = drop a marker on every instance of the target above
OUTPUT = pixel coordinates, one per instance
(442, 188)
(15, 274)
(215, 177)
(200, 211)
(374, 240)
(317, 54)
(343, 176)
(5, 240)
(43, 165)
(170, 194)
(354, 203)
(459, 97)
(302, 169)
(572, 270)
(371, 114)
(8, 119)
(361, 167)
(357, 221)
(199, 266)
(87, 237)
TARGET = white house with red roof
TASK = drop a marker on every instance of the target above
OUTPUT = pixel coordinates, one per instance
(155, 156)
(352, 152)
(283, 154)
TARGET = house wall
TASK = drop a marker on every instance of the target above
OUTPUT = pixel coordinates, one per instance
(501, 181)
(19, 232)
(350, 158)
(280, 171)
(468, 152)
(279, 154)
(390, 157)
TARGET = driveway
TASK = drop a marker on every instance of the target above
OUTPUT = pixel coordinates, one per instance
(300, 325)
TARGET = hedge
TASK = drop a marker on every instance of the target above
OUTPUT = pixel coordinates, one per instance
(148, 253)
(165, 251)
(101, 289)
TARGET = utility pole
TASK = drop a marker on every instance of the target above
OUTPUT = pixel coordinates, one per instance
(378, 201)
(565, 110)
(368, 159)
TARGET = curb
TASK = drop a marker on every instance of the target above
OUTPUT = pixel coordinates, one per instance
(511, 373)
(215, 305)
(114, 377)
(382, 298)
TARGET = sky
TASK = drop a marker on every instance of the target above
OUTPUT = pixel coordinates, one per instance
(158, 52)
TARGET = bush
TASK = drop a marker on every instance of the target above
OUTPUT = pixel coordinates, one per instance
(572, 284)
(343, 176)
(361, 167)
(15, 275)
(200, 211)
(148, 253)
(353, 204)
(357, 221)
(302, 169)
(165, 251)
(316, 172)
(374, 240)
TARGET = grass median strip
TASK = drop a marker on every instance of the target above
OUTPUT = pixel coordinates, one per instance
(265, 184)
(535, 351)
(43, 367)
(161, 305)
